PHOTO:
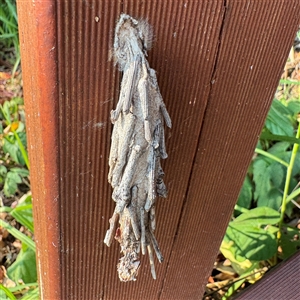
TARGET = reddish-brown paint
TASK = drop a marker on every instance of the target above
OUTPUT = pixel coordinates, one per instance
(38, 42)
(282, 282)
(218, 64)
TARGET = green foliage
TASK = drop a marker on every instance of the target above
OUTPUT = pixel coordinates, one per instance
(246, 193)
(23, 212)
(258, 228)
(32, 295)
(290, 241)
(279, 119)
(251, 239)
(12, 178)
(13, 138)
(19, 235)
(9, 35)
(24, 268)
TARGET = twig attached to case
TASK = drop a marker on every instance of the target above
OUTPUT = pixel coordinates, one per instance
(138, 144)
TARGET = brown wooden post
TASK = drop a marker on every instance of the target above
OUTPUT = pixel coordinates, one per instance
(282, 282)
(218, 64)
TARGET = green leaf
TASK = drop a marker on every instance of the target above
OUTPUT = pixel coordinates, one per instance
(253, 243)
(10, 186)
(245, 197)
(14, 176)
(261, 178)
(279, 149)
(13, 150)
(24, 267)
(249, 240)
(6, 111)
(257, 217)
(3, 170)
(293, 105)
(289, 242)
(277, 175)
(23, 212)
(268, 179)
(281, 107)
(11, 183)
(277, 120)
(12, 179)
(272, 199)
(20, 171)
(21, 127)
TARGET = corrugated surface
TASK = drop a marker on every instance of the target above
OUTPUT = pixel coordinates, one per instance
(280, 283)
(217, 60)
(245, 77)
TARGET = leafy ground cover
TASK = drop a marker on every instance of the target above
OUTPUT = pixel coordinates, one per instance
(265, 225)
(17, 248)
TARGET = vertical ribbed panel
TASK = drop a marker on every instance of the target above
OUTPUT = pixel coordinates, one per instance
(87, 87)
(217, 63)
(246, 74)
(282, 282)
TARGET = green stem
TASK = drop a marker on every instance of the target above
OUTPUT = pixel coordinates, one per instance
(240, 209)
(7, 292)
(287, 182)
(267, 154)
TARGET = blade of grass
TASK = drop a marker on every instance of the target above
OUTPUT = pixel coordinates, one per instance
(7, 35)
(275, 137)
(20, 287)
(12, 9)
(21, 217)
(19, 235)
(8, 22)
(293, 195)
(7, 292)
(286, 81)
